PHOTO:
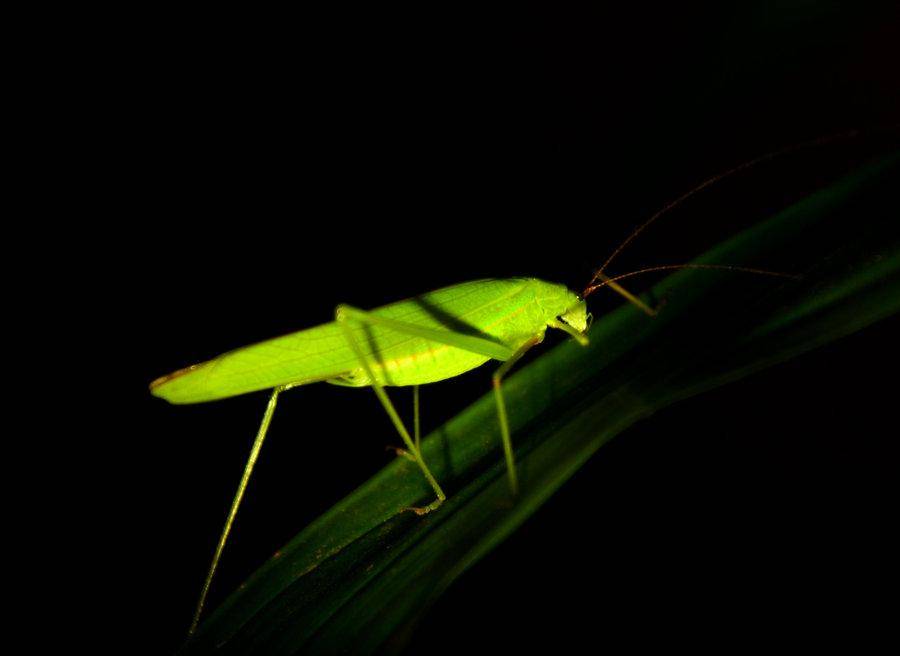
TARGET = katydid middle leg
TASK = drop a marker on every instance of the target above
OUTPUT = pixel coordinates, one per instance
(497, 380)
(342, 317)
(417, 430)
(417, 426)
(471, 343)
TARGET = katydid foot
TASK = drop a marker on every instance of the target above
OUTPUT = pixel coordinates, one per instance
(424, 510)
(401, 452)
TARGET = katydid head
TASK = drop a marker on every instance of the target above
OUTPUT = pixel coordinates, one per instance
(577, 316)
(562, 309)
(575, 320)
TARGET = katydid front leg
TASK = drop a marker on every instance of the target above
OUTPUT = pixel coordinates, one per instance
(627, 295)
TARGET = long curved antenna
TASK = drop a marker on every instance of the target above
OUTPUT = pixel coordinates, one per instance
(590, 289)
(716, 178)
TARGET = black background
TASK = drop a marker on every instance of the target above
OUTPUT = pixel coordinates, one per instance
(268, 167)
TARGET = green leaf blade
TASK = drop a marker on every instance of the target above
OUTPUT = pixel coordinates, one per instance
(359, 576)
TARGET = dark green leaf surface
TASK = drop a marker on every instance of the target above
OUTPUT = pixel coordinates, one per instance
(359, 575)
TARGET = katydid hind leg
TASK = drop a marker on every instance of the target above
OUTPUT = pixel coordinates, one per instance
(400, 452)
(380, 392)
(497, 380)
(235, 504)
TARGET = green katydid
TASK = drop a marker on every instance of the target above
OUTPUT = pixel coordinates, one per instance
(421, 340)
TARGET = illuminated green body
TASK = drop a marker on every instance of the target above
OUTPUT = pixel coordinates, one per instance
(509, 312)
(420, 340)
